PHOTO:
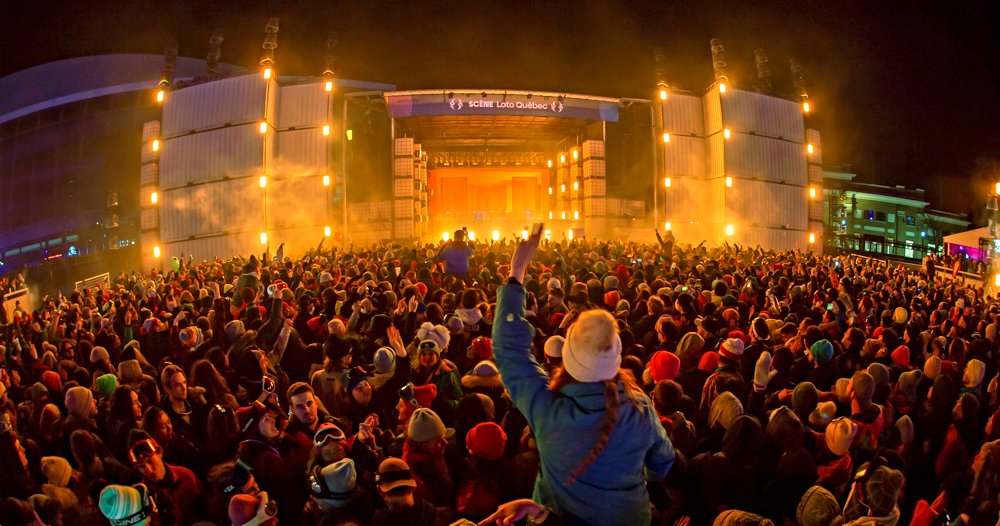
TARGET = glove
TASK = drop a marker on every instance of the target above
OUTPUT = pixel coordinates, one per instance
(762, 373)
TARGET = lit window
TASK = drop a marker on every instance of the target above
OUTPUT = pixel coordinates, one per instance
(805, 107)
(729, 230)
(263, 238)
(326, 129)
(156, 145)
(666, 182)
(262, 127)
(729, 182)
(159, 95)
(326, 231)
(153, 198)
(326, 180)
(810, 149)
(263, 181)
(667, 226)
(156, 251)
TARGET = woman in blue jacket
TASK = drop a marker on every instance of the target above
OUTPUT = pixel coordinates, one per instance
(595, 429)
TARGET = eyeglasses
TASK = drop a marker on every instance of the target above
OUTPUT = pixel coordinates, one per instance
(409, 395)
(142, 450)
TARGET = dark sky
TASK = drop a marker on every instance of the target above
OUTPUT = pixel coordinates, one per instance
(906, 94)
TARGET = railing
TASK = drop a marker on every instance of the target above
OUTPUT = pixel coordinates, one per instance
(875, 247)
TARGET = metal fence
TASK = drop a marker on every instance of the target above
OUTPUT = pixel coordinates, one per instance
(878, 247)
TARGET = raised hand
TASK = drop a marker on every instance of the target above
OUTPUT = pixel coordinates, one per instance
(523, 255)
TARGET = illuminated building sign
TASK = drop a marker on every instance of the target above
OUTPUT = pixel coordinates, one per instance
(403, 104)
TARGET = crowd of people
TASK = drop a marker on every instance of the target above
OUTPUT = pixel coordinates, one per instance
(537, 382)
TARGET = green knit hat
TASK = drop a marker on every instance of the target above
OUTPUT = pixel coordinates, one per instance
(106, 385)
(124, 505)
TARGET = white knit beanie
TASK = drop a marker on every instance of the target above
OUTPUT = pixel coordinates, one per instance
(554, 346)
(593, 350)
(975, 371)
(438, 333)
(839, 435)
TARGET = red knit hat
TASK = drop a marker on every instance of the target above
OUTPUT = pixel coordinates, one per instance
(52, 381)
(901, 356)
(482, 348)
(664, 366)
(422, 288)
(611, 298)
(709, 362)
(486, 440)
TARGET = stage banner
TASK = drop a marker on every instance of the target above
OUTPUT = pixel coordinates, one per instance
(455, 103)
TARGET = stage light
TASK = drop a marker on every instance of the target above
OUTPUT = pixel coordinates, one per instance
(812, 238)
(550, 190)
(998, 185)
(663, 94)
(263, 181)
(812, 192)
(263, 238)
(153, 198)
(726, 133)
(810, 149)
(326, 180)
(564, 214)
(722, 87)
(550, 214)
(550, 163)
(326, 231)
(326, 129)
(524, 234)
(350, 135)
(996, 280)
(267, 73)
(667, 226)
(156, 251)
(329, 85)
(159, 95)
(666, 137)
(262, 127)
(562, 188)
(576, 186)
(729, 230)
(562, 158)
(445, 236)
(729, 182)
(472, 235)
(576, 215)
(156, 145)
(805, 107)
(548, 234)
(576, 154)
(666, 182)
(496, 235)
(569, 234)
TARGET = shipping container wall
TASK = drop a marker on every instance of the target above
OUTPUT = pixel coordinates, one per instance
(746, 111)
(683, 115)
(300, 152)
(211, 155)
(816, 175)
(756, 157)
(296, 202)
(302, 105)
(234, 100)
(716, 166)
(234, 205)
(238, 244)
(692, 201)
(684, 157)
(813, 138)
(713, 112)
(766, 204)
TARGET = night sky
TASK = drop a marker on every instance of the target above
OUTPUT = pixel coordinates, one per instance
(906, 95)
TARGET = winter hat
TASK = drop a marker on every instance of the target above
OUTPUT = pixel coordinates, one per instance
(664, 366)
(975, 370)
(553, 284)
(57, 471)
(78, 401)
(821, 351)
(901, 356)
(393, 473)
(882, 490)
(99, 354)
(336, 483)
(839, 435)
(709, 362)
(906, 430)
(611, 298)
(823, 414)
(425, 426)
(725, 408)
(438, 333)
(805, 397)
(124, 505)
(430, 345)
(52, 381)
(741, 518)
(840, 389)
(325, 277)
(759, 330)
(932, 367)
(191, 337)
(385, 360)
(554, 346)
(482, 348)
(610, 282)
(690, 345)
(899, 316)
(863, 386)
(38, 390)
(425, 394)
(818, 507)
(454, 324)
(879, 374)
(731, 348)
(234, 330)
(129, 371)
(485, 368)
(106, 385)
(909, 381)
(355, 376)
(486, 440)
(249, 510)
(593, 350)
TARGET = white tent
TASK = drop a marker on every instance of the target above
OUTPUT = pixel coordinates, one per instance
(969, 238)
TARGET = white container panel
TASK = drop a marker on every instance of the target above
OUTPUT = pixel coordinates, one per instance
(683, 115)
(815, 174)
(816, 208)
(404, 147)
(145, 196)
(296, 202)
(234, 100)
(574, 171)
(813, 138)
(716, 165)
(713, 112)
(766, 204)
(635, 208)
(204, 249)
(149, 173)
(593, 149)
(402, 167)
(595, 206)
(148, 155)
(212, 208)
(149, 219)
(692, 200)
(402, 187)
(594, 168)
(150, 130)
(302, 105)
(684, 157)
(209, 156)
(403, 208)
(403, 228)
(747, 111)
(765, 159)
(594, 187)
(299, 152)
